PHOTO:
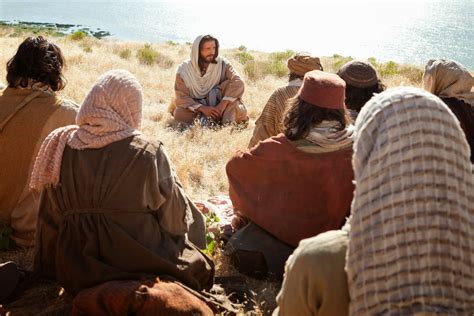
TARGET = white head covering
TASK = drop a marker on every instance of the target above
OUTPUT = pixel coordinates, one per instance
(411, 240)
(111, 112)
(189, 71)
(448, 79)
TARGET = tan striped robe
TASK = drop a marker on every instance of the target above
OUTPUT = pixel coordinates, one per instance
(270, 122)
(411, 242)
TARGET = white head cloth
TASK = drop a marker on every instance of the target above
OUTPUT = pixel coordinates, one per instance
(199, 86)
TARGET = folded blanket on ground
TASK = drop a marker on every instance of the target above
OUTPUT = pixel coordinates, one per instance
(221, 207)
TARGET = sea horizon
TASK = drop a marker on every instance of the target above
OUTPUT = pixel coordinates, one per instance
(405, 32)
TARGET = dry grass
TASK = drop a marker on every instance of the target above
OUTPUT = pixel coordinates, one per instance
(199, 155)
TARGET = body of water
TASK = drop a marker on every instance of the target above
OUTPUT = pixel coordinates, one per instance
(409, 32)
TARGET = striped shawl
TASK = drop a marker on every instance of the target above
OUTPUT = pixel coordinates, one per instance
(411, 246)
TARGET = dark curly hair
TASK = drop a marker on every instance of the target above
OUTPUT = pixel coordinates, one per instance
(357, 97)
(302, 116)
(36, 59)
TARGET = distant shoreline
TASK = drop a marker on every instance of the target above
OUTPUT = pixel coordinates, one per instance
(411, 32)
(77, 31)
(57, 29)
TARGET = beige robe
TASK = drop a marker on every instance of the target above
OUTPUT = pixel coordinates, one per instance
(119, 212)
(232, 89)
(20, 141)
(315, 282)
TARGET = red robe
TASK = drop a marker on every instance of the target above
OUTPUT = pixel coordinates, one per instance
(290, 193)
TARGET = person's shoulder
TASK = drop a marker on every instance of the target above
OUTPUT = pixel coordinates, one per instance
(277, 139)
(66, 111)
(68, 105)
(183, 66)
(143, 150)
(147, 145)
(150, 152)
(323, 245)
(287, 89)
(271, 146)
(285, 92)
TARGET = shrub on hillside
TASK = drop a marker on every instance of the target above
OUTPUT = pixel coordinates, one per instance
(164, 61)
(147, 55)
(253, 70)
(372, 61)
(244, 57)
(282, 56)
(390, 68)
(339, 61)
(87, 49)
(277, 68)
(414, 74)
(276, 65)
(125, 53)
(78, 35)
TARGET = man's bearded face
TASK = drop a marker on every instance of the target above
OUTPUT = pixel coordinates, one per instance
(208, 51)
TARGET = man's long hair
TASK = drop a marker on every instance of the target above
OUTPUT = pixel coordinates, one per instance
(357, 97)
(302, 116)
(39, 60)
(205, 39)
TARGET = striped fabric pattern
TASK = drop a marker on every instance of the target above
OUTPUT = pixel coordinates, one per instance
(272, 114)
(270, 122)
(411, 246)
